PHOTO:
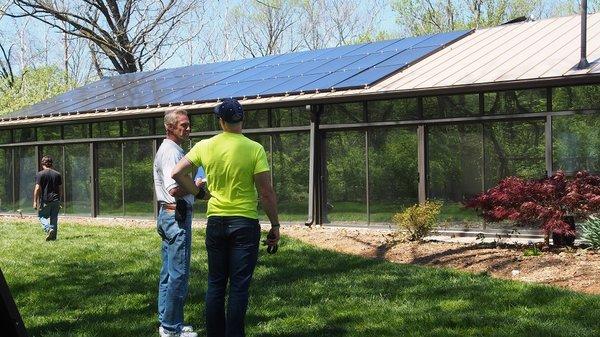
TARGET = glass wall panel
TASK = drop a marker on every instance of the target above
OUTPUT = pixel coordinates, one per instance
(576, 142)
(139, 182)
(199, 206)
(455, 162)
(451, 106)
(110, 180)
(76, 131)
(343, 113)
(77, 179)
(514, 149)
(202, 122)
(6, 180)
(515, 101)
(255, 119)
(5, 136)
(393, 110)
(24, 135)
(346, 177)
(290, 174)
(159, 124)
(51, 132)
(54, 151)
(25, 170)
(576, 98)
(137, 127)
(106, 129)
(393, 172)
(265, 141)
(294, 116)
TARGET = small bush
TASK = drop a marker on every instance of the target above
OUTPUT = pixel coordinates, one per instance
(418, 220)
(590, 231)
(532, 251)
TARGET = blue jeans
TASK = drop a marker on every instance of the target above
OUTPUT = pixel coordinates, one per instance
(232, 246)
(175, 271)
(48, 215)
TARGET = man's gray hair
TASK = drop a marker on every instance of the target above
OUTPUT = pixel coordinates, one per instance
(171, 116)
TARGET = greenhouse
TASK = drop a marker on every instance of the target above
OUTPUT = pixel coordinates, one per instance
(354, 134)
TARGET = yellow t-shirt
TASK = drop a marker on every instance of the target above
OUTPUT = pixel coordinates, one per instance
(230, 161)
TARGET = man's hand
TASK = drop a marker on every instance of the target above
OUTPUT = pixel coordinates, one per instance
(201, 183)
(273, 237)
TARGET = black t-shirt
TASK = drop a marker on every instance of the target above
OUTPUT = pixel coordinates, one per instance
(49, 181)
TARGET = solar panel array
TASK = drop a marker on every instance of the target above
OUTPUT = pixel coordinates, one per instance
(338, 68)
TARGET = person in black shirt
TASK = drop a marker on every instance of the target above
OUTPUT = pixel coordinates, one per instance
(46, 197)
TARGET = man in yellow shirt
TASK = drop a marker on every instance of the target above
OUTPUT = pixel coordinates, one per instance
(236, 167)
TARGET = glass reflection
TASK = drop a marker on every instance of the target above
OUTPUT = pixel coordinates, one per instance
(515, 101)
(77, 179)
(6, 180)
(514, 149)
(576, 142)
(25, 168)
(393, 172)
(138, 183)
(290, 174)
(455, 161)
(110, 181)
(345, 177)
(576, 98)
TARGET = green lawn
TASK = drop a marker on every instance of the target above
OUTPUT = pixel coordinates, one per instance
(97, 281)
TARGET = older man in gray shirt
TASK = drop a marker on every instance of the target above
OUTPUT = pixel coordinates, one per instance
(174, 227)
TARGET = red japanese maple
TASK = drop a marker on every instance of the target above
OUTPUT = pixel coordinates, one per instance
(545, 202)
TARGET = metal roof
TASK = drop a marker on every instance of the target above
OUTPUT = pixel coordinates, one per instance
(515, 52)
(516, 55)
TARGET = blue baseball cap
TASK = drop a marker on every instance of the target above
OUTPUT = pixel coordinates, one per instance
(230, 110)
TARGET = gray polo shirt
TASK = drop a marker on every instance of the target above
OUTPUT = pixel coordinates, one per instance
(167, 156)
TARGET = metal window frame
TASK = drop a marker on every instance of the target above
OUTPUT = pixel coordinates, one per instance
(317, 190)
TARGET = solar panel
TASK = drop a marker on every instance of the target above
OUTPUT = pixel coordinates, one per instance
(440, 39)
(305, 71)
(365, 78)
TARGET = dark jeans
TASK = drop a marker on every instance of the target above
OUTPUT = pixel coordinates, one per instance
(232, 246)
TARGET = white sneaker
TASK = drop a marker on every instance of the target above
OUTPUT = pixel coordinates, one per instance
(186, 331)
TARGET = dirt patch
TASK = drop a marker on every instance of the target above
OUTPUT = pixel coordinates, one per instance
(576, 269)
(573, 268)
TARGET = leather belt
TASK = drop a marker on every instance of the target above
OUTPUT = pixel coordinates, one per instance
(170, 207)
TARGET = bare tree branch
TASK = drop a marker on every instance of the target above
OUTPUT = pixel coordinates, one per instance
(127, 33)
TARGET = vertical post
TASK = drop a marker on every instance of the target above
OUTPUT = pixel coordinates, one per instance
(122, 173)
(484, 128)
(38, 157)
(323, 182)
(316, 193)
(422, 162)
(548, 134)
(583, 63)
(367, 184)
(154, 200)
(94, 180)
(271, 174)
(14, 193)
(64, 180)
(312, 165)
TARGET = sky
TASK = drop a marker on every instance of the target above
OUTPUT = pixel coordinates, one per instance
(32, 32)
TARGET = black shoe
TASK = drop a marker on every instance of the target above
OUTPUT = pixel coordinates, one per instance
(51, 235)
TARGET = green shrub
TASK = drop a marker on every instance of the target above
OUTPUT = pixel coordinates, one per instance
(418, 220)
(590, 231)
